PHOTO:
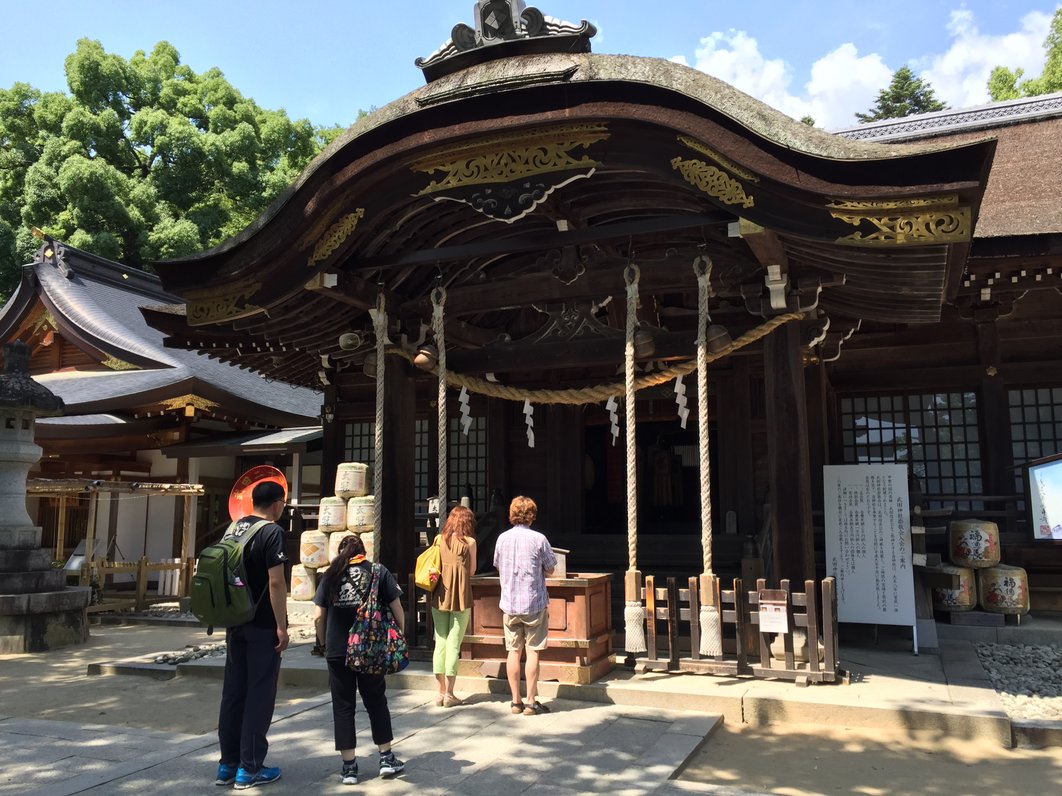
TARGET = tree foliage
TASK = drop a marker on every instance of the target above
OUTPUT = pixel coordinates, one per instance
(144, 159)
(906, 94)
(1004, 84)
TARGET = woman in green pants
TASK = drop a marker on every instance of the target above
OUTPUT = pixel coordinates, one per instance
(451, 602)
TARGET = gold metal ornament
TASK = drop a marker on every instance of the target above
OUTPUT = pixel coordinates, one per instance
(726, 163)
(212, 306)
(512, 156)
(335, 236)
(712, 181)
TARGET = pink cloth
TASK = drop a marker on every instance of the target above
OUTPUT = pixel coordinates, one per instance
(523, 557)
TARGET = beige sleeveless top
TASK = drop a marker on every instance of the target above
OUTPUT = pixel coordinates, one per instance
(454, 590)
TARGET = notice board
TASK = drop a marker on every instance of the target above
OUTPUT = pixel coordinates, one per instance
(868, 542)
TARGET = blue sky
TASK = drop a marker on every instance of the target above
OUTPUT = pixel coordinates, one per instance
(326, 59)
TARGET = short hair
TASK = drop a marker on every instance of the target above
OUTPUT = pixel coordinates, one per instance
(266, 493)
(522, 511)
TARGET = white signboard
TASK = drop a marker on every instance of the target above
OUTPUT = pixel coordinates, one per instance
(868, 542)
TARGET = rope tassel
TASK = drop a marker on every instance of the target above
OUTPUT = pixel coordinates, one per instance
(633, 611)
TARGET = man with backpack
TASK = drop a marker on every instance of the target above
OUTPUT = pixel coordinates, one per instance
(252, 662)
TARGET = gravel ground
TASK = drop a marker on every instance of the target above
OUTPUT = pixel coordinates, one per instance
(1028, 678)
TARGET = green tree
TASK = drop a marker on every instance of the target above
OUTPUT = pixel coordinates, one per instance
(906, 94)
(143, 160)
(1004, 84)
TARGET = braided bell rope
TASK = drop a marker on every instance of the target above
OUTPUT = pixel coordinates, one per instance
(633, 610)
(438, 303)
(708, 615)
(601, 392)
(630, 276)
(379, 322)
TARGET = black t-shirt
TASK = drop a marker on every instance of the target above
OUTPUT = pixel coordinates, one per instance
(264, 551)
(353, 590)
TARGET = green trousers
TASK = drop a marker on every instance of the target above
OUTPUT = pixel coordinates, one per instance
(450, 629)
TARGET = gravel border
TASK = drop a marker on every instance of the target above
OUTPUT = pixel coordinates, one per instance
(1028, 678)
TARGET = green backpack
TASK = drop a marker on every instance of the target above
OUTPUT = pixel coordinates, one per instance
(221, 595)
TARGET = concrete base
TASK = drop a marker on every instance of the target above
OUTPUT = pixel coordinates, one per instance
(43, 631)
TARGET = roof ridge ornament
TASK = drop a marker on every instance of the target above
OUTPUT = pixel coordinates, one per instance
(505, 22)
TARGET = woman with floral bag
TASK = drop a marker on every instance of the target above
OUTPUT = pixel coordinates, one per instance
(342, 591)
(451, 601)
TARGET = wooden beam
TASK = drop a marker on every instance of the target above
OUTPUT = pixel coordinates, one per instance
(541, 242)
(765, 244)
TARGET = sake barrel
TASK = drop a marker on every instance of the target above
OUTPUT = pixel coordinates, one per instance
(366, 539)
(974, 543)
(313, 549)
(303, 582)
(359, 513)
(963, 598)
(334, 540)
(333, 515)
(352, 480)
(1004, 589)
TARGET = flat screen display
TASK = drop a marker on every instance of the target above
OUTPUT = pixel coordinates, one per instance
(1043, 479)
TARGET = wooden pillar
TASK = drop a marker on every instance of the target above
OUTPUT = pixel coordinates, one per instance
(564, 440)
(817, 396)
(332, 441)
(789, 466)
(90, 541)
(397, 540)
(734, 433)
(180, 512)
(60, 536)
(997, 453)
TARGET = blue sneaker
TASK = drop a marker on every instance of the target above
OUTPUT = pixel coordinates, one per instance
(390, 765)
(226, 774)
(245, 779)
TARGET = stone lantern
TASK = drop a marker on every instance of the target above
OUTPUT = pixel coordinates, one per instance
(37, 611)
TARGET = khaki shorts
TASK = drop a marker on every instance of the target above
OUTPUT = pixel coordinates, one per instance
(526, 629)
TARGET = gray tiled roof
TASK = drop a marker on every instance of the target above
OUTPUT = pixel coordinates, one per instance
(100, 301)
(926, 125)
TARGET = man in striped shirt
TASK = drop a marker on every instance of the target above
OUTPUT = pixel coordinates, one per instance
(524, 560)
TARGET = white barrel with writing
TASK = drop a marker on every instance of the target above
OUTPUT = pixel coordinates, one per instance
(359, 513)
(974, 543)
(334, 541)
(1004, 589)
(961, 598)
(370, 551)
(353, 480)
(303, 582)
(333, 515)
(313, 549)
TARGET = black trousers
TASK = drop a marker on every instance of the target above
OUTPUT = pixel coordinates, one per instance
(346, 685)
(248, 696)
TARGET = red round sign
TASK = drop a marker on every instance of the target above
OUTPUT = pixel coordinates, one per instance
(240, 504)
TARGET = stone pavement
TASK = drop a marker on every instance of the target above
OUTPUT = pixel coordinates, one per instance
(480, 748)
(628, 733)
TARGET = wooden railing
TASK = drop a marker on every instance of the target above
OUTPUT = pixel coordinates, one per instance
(138, 600)
(678, 610)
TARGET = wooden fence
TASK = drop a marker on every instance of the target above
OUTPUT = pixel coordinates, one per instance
(174, 579)
(746, 650)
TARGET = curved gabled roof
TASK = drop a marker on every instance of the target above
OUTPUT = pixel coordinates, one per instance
(96, 304)
(511, 170)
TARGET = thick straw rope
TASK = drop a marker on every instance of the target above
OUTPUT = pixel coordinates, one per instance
(379, 322)
(438, 302)
(633, 612)
(710, 638)
(602, 392)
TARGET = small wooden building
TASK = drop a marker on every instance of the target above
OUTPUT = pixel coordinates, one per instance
(137, 411)
(525, 177)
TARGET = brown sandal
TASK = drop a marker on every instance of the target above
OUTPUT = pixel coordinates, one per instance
(535, 708)
(516, 708)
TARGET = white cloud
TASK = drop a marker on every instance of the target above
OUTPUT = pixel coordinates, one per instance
(843, 82)
(959, 76)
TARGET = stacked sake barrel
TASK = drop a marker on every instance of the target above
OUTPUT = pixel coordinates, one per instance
(973, 546)
(348, 512)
